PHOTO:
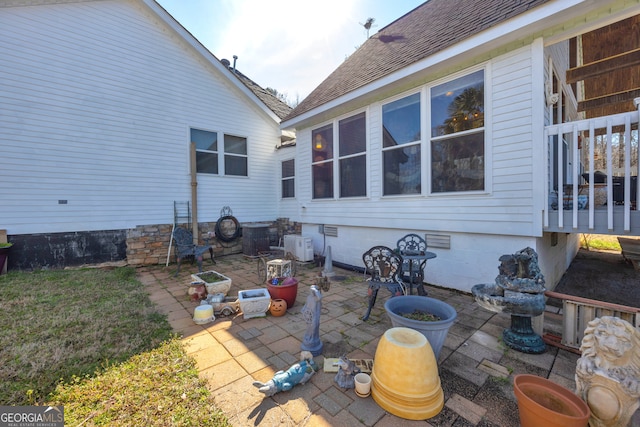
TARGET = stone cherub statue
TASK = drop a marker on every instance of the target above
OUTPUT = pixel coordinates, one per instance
(346, 372)
(608, 373)
(299, 373)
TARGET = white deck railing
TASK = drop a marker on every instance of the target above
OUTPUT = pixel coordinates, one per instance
(608, 126)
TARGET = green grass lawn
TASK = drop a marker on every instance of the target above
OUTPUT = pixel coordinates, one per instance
(600, 242)
(92, 341)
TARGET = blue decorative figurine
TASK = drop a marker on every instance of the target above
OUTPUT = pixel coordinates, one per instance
(347, 372)
(299, 373)
(311, 313)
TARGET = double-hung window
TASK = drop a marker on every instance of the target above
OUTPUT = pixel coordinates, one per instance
(235, 155)
(401, 146)
(288, 178)
(457, 135)
(206, 150)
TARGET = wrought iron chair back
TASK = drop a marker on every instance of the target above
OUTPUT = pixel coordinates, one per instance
(185, 248)
(413, 244)
(385, 268)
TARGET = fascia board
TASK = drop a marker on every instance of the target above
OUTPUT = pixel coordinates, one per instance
(528, 23)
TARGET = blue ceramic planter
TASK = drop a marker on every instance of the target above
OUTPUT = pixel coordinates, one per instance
(436, 331)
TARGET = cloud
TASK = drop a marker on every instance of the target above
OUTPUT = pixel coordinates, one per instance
(288, 45)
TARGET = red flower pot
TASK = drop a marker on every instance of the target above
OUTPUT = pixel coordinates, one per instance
(287, 291)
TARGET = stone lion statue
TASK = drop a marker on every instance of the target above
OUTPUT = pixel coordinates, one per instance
(608, 373)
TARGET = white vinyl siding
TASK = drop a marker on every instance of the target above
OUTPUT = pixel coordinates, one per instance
(96, 105)
(506, 205)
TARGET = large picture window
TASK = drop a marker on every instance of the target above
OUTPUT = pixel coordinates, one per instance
(352, 151)
(457, 135)
(288, 178)
(206, 151)
(322, 164)
(401, 146)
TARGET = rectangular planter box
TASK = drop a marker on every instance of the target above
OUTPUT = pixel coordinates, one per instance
(218, 286)
(254, 302)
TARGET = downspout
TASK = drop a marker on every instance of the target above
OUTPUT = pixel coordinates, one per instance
(194, 192)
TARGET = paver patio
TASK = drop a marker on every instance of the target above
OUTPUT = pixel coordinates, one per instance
(475, 369)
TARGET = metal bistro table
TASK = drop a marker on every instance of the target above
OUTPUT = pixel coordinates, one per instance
(416, 259)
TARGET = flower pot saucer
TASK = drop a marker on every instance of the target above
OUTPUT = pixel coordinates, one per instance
(362, 395)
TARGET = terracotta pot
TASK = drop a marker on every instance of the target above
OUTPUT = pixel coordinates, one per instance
(542, 402)
(286, 291)
(278, 307)
(197, 291)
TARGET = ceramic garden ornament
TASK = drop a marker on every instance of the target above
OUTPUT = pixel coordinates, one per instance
(346, 373)
(299, 373)
(311, 313)
(608, 373)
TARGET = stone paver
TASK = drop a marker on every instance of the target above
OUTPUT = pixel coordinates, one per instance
(232, 352)
(467, 409)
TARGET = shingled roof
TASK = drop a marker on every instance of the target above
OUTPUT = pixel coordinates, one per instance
(424, 31)
(280, 108)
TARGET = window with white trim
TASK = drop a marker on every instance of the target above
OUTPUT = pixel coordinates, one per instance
(322, 162)
(457, 135)
(235, 155)
(206, 150)
(352, 143)
(233, 152)
(288, 168)
(351, 163)
(401, 139)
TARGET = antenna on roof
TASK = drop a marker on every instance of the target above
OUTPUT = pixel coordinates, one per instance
(368, 24)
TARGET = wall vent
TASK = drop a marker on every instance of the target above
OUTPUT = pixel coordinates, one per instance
(331, 230)
(438, 241)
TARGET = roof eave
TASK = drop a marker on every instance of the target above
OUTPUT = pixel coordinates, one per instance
(526, 24)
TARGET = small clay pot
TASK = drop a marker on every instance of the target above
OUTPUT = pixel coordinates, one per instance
(278, 307)
(197, 291)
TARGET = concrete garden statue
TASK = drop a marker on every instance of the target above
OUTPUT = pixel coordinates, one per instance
(518, 290)
(311, 313)
(608, 373)
(347, 371)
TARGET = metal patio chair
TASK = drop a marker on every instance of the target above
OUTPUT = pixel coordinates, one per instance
(185, 248)
(385, 268)
(412, 245)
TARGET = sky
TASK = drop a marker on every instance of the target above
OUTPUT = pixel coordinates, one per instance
(287, 45)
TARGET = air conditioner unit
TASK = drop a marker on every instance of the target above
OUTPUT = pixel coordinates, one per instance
(301, 247)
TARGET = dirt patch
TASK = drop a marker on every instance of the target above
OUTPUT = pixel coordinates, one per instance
(602, 276)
